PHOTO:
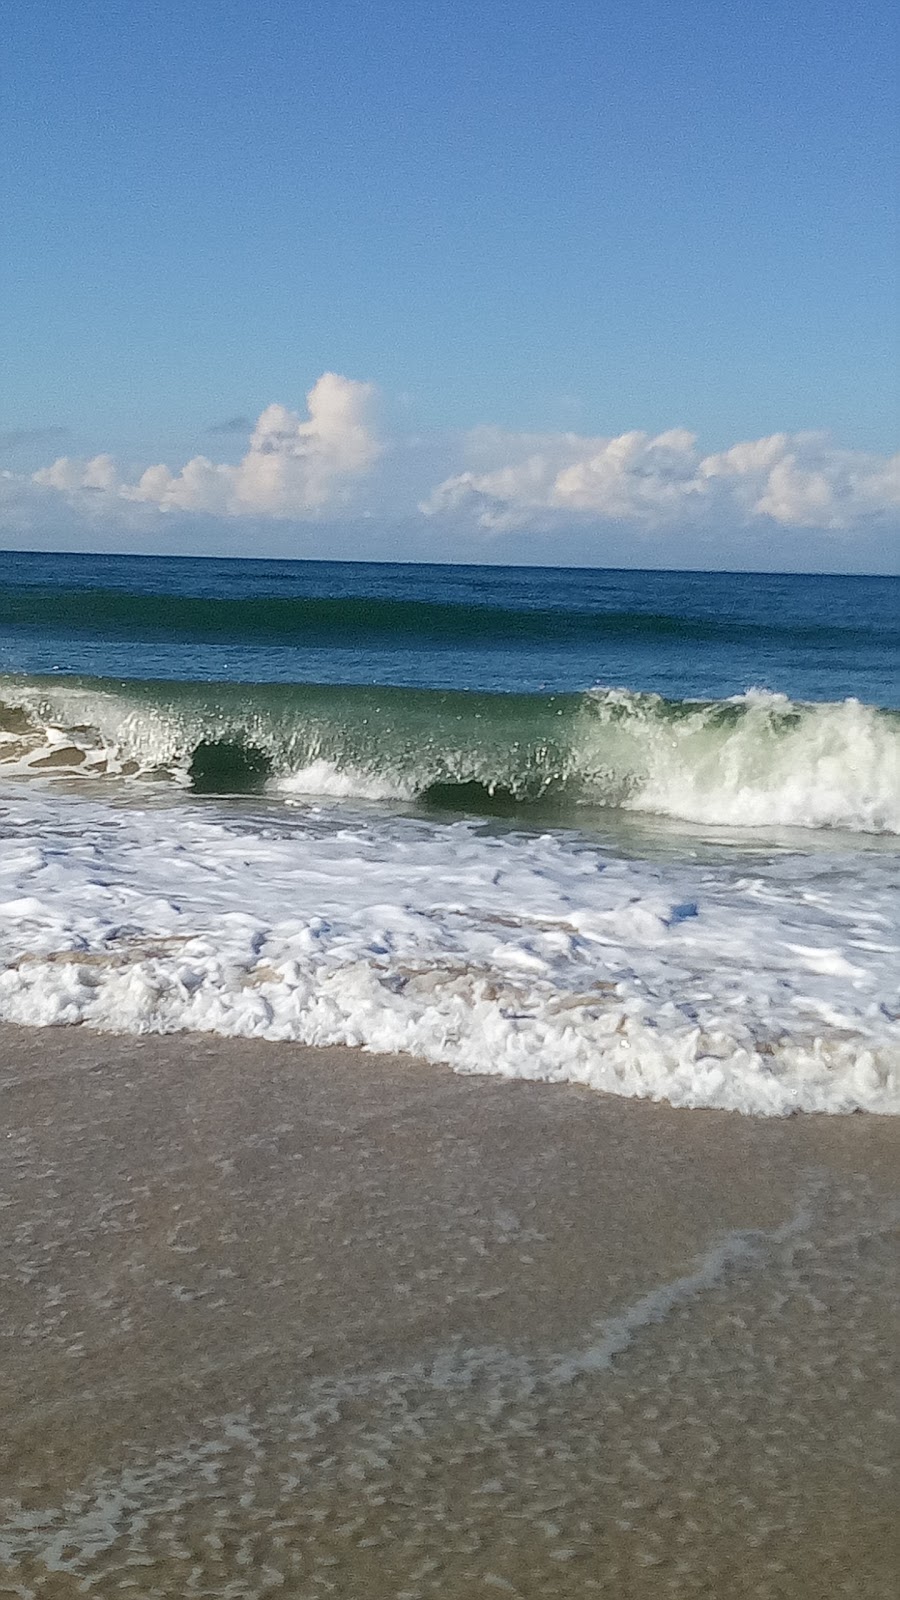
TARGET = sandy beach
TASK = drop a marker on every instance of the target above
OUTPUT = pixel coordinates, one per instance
(318, 1322)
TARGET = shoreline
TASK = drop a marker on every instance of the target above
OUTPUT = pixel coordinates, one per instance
(307, 1302)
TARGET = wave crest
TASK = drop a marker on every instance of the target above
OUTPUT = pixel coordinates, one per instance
(757, 760)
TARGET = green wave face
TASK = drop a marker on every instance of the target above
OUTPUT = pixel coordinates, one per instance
(233, 736)
(758, 760)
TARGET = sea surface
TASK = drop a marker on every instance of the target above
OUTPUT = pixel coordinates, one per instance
(636, 830)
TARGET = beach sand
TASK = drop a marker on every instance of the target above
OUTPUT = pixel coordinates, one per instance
(283, 1321)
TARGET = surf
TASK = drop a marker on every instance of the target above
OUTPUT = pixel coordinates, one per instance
(754, 760)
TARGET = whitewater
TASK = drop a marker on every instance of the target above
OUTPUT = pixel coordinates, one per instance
(423, 825)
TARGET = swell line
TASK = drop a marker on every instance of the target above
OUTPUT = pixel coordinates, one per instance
(123, 614)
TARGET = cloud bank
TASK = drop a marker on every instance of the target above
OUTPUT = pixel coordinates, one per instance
(293, 468)
(489, 495)
(797, 480)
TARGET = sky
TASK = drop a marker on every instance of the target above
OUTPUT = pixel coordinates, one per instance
(474, 280)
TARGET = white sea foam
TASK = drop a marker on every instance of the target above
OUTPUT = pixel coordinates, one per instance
(761, 985)
(328, 780)
(758, 760)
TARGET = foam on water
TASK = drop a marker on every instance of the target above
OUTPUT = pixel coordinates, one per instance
(327, 780)
(757, 760)
(764, 984)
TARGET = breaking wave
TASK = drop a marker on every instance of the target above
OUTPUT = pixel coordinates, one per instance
(757, 760)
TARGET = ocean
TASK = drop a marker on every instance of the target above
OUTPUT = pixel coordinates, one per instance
(631, 830)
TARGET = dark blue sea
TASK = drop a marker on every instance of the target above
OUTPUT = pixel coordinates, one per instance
(503, 629)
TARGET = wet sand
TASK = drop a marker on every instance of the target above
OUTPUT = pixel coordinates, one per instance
(315, 1322)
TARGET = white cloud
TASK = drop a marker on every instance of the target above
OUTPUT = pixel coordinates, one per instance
(537, 481)
(561, 495)
(69, 476)
(805, 481)
(294, 467)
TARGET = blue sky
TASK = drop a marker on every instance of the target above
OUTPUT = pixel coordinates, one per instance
(573, 221)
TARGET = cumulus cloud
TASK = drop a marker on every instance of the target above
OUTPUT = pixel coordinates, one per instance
(294, 467)
(542, 493)
(654, 481)
(98, 475)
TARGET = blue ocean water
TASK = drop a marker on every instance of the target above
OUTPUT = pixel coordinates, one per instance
(500, 629)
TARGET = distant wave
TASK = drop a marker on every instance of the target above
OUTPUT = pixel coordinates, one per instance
(757, 760)
(122, 614)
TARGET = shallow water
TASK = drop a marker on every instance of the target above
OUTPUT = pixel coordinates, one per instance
(764, 982)
(286, 1324)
